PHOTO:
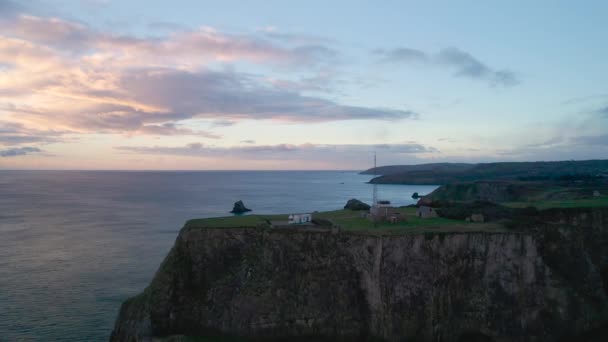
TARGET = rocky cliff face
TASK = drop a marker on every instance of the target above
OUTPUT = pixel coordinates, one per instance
(540, 283)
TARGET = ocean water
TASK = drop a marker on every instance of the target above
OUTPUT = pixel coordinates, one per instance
(75, 244)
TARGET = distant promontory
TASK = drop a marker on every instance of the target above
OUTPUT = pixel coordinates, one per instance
(444, 173)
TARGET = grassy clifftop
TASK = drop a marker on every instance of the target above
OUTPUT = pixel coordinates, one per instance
(352, 221)
(348, 220)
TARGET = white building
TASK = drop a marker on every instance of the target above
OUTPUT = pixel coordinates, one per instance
(380, 209)
(300, 218)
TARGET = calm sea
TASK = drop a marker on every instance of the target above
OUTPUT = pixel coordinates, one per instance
(75, 244)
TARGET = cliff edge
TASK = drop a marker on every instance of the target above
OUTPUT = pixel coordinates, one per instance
(545, 280)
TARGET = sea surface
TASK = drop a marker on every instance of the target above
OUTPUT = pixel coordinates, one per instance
(75, 244)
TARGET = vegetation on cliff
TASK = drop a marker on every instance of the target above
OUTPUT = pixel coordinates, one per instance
(438, 174)
(438, 167)
(348, 220)
(542, 195)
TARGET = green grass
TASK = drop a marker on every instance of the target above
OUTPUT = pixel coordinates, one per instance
(200, 339)
(541, 196)
(349, 220)
(601, 201)
(233, 221)
(352, 221)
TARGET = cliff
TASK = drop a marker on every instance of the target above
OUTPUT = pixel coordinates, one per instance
(394, 169)
(545, 280)
(445, 173)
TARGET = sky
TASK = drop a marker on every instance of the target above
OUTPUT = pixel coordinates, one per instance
(297, 85)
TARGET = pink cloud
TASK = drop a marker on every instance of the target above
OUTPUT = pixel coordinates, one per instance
(64, 76)
(190, 46)
(47, 31)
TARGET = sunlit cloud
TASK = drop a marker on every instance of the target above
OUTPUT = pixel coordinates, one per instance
(181, 47)
(49, 31)
(63, 76)
(133, 99)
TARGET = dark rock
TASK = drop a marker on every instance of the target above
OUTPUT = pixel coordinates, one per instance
(355, 204)
(239, 208)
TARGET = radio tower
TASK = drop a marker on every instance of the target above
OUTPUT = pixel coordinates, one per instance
(375, 194)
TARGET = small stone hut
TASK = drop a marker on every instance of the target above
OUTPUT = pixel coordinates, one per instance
(477, 218)
(426, 212)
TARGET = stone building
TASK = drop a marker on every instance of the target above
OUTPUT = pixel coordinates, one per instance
(425, 212)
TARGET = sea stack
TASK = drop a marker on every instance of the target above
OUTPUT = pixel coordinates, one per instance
(355, 204)
(239, 208)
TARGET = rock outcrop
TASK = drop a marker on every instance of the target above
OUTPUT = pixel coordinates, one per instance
(541, 282)
(239, 208)
(355, 204)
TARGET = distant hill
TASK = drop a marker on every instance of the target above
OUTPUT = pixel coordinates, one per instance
(530, 193)
(444, 173)
(392, 169)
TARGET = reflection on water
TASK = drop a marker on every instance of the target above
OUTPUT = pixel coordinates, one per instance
(74, 245)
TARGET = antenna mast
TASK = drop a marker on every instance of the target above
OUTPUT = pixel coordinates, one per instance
(375, 194)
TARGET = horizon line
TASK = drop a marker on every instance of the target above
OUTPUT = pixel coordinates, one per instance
(190, 170)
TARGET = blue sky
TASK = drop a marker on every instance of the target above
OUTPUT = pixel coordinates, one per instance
(299, 85)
